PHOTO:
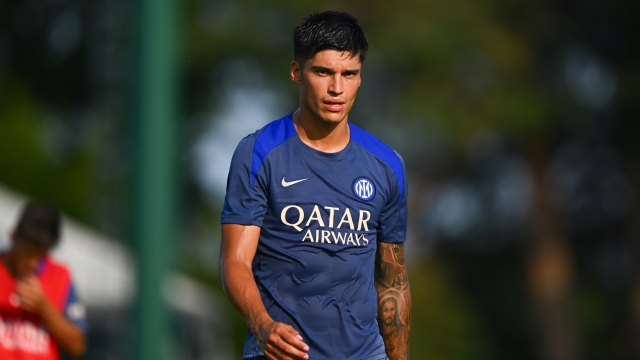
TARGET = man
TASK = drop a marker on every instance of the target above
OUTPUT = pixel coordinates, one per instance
(315, 214)
(39, 309)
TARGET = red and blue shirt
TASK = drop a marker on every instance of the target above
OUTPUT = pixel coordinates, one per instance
(22, 335)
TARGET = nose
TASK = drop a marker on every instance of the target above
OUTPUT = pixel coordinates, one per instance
(336, 86)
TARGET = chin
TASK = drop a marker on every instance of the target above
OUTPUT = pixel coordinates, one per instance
(334, 118)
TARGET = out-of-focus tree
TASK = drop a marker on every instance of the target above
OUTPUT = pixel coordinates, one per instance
(517, 122)
(495, 106)
(35, 158)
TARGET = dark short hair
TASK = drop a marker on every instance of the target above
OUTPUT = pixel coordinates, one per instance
(39, 224)
(329, 30)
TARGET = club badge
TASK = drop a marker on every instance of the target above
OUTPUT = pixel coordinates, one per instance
(363, 188)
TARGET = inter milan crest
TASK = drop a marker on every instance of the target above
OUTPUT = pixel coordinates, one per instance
(363, 188)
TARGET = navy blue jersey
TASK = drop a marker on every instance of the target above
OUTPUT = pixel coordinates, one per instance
(321, 215)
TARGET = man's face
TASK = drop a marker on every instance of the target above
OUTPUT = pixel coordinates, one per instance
(328, 84)
(25, 257)
(389, 312)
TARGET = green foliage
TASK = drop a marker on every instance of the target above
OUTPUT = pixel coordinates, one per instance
(458, 67)
(25, 166)
(462, 65)
(443, 327)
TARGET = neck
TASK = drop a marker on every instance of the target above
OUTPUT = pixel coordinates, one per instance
(321, 135)
(6, 260)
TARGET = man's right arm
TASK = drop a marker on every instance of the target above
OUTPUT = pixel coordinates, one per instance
(65, 333)
(238, 247)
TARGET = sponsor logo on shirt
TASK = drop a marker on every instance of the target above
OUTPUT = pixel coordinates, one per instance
(24, 336)
(344, 233)
(289, 183)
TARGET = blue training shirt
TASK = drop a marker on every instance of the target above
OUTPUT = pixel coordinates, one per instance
(321, 215)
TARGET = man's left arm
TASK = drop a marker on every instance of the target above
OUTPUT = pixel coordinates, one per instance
(391, 281)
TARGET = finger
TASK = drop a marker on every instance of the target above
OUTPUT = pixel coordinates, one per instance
(33, 281)
(26, 297)
(27, 279)
(280, 345)
(24, 291)
(280, 354)
(297, 350)
(292, 331)
(23, 285)
(294, 338)
(291, 352)
(273, 353)
(26, 303)
(284, 342)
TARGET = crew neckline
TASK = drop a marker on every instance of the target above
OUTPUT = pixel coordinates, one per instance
(332, 156)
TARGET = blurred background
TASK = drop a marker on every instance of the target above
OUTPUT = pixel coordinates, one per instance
(517, 120)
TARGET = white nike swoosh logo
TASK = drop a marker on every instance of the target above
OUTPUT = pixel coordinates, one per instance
(289, 183)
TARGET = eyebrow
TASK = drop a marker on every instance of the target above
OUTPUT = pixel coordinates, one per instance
(322, 68)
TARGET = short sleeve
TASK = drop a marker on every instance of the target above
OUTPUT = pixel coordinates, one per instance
(245, 201)
(392, 226)
(74, 310)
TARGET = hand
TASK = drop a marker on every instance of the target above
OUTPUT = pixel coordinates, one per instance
(280, 341)
(30, 294)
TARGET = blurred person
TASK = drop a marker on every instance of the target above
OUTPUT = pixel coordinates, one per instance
(39, 309)
(315, 215)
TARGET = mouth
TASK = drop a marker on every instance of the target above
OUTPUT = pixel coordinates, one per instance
(334, 105)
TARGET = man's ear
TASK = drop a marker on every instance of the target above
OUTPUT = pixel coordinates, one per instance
(295, 72)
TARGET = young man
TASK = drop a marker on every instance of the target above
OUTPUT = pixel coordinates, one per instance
(39, 309)
(315, 215)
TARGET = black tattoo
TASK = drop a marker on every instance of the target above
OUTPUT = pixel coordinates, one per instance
(401, 281)
(398, 253)
(394, 300)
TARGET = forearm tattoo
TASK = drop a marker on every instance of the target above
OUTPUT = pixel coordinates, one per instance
(398, 253)
(394, 299)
